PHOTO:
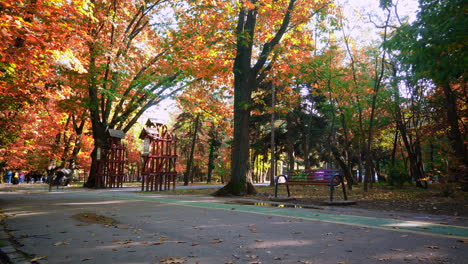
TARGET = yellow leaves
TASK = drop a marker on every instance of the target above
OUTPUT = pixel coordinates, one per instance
(61, 243)
(432, 247)
(249, 5)
(172, 260)
(37, 258)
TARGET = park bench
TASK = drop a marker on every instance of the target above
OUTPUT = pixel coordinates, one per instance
(328, 177)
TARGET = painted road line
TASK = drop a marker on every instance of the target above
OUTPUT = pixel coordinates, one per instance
(419, 227)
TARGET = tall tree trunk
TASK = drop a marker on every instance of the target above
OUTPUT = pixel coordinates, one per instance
(188, 170)
(101, 142)
(211, 159)
(245, 81)
(67, 138)
(272, 142)
(77, 146)
(456, 171)
(290, 142)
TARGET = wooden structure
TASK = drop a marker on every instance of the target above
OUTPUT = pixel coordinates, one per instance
(329, 177)
(159, 157)
(111, 161)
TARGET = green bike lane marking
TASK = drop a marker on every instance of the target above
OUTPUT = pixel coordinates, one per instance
(424, 228)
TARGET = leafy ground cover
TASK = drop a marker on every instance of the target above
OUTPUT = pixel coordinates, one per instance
(437, 199)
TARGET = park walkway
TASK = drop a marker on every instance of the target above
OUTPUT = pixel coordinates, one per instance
(158, 228)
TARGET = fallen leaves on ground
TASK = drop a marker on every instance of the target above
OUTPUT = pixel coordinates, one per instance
(61, 243)
(172, 260)
(384, 259)
(94, 219)
(215, 241)
(432, 247)
(38, 258)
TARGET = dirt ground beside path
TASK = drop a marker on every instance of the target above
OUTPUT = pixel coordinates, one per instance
(437, 200)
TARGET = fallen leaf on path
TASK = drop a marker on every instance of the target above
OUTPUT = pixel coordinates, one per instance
(397, 249)
(86, 259)
(158, 243)
(432, 247)
(253, 230)
(463, 241)
(38, 258)
(61, 243)
(342, 262)
(216, 241)
(253, 256)
(383, 259)
(339, 239)
(195, 244)
(258, 240)
(181, 242)
(172, 260)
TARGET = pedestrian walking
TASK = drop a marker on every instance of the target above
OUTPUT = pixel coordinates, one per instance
(8, 177)
(21, 177)
(15, 179)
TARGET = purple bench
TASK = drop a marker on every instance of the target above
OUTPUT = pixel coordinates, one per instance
(328, 177)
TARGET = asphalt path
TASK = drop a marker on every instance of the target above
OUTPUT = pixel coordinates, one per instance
(160, 228)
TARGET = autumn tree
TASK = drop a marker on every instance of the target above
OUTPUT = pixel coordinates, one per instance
(202, 126)
(131, 65)
(35, 37)
(261, 25)
(432, 50)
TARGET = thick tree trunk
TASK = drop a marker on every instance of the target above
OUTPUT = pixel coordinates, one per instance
(245, 81)
(100, 141)
(240, 183)
(102, 144)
